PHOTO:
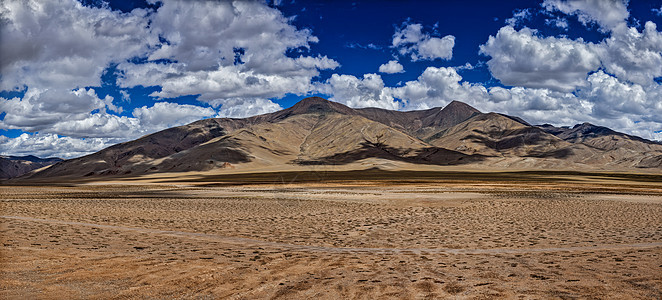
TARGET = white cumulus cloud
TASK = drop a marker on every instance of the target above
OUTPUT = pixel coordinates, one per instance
(606, 13)
(63, 44)
(437, 87)
(368, 91)
(82, 114)
(519, 16)
(166, 114)
(422, 46)
(77, 112)
(632, 55)
(391, 67)
(246, 107)
(611, 98)
(52, 145)
(226, 51)
(558, 22)
(521, 58)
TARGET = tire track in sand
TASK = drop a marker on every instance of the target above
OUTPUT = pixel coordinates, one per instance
(247, 242)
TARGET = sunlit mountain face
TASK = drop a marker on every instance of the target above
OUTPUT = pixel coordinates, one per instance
(317, 132)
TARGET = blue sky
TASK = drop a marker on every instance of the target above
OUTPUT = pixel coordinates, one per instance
(77, 77)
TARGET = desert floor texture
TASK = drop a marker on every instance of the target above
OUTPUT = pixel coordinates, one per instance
(455, 235)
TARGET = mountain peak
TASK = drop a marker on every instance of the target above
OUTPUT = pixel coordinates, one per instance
(313, 100)
(452, 114)
(585, 125)
(459, 104)
(314, 105)
(588, 128)
(319, 103)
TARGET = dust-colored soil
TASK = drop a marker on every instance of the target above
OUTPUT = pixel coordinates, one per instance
(564, 238)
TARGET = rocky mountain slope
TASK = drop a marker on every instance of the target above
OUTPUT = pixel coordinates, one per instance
(14, 166)
(609, 146)
(316, 131)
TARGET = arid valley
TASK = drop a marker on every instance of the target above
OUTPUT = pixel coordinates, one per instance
(321, 200)
(270, 149)
(298, 235)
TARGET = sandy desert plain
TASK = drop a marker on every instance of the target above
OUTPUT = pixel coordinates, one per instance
(368, 234)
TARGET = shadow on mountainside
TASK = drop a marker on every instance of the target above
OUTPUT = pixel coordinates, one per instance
(504, 140)
(430, 155)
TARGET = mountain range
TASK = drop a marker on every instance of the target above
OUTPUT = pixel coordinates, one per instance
(317, 132)
(14, 166)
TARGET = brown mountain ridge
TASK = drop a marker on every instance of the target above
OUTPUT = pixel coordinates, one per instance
(316, 131)
(14, 166)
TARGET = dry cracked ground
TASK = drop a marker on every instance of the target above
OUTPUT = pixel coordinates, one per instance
(335, 240)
